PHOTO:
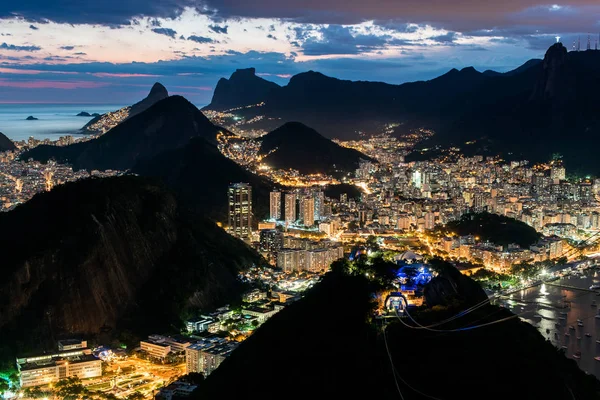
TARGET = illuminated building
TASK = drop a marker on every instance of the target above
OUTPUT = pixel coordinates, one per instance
(271, 240)
(156, 349)
(308, 211)
(275, 205)
(48, 368)
(200, 325)
(319, 197)
(558, 173)
(71, 344)
(240, 210)
(290, 208)
(266, 225)
(207, 354)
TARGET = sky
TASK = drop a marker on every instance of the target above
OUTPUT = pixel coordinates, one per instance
(112, 51)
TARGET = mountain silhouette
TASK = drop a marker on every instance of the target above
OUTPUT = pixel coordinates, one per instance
(166, 125)
(157, 93)
(5, 143)
(109, 253)
(540, 108)
(296, 146)
(200, 175)
(241, 89)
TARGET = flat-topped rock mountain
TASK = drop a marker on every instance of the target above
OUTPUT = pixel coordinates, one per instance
(241, 89)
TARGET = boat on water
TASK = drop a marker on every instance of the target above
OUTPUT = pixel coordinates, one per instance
(580, 324)
(587, 334)
(579, 320)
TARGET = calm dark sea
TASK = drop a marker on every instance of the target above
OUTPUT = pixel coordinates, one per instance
(54, 120)
(545, 301)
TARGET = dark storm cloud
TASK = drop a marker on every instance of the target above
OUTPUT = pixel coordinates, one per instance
(218, 29)
(337, 39)
(449, 37)
(6, 46)
(538, 16)
(165, 31)
(200, 39)
(106, 12)
(453, 15)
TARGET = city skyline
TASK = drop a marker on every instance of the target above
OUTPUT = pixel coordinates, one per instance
(54, 54)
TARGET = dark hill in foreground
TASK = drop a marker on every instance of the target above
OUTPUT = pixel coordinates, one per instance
(296, 146)
(168, 124)
(200, 175)
(101, 254)
(325, 346)
(6, 143)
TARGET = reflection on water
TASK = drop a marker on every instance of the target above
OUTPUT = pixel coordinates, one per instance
(555, 310)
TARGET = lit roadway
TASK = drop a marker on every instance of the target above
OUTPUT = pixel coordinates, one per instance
(145, 377)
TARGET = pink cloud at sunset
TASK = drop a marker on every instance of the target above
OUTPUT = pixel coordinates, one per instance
(17, 71)
(43, 84)
(122, 75)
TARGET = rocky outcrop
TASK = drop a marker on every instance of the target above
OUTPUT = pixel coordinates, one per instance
(109, 252)
(243, 88)
(557, 80)
(157, 93)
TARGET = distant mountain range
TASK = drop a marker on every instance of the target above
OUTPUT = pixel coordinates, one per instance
(5, 143)
(100, 254)
(295, 145)
(540, 108)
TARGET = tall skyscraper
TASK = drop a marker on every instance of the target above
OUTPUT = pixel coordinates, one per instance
(290, 208)
(240, 210)
(275, 205)
(319, 204)
(308, 214)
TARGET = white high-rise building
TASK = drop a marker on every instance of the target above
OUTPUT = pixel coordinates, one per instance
(290, 208)
(240, 210)
(308, 211)
(275, 204)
